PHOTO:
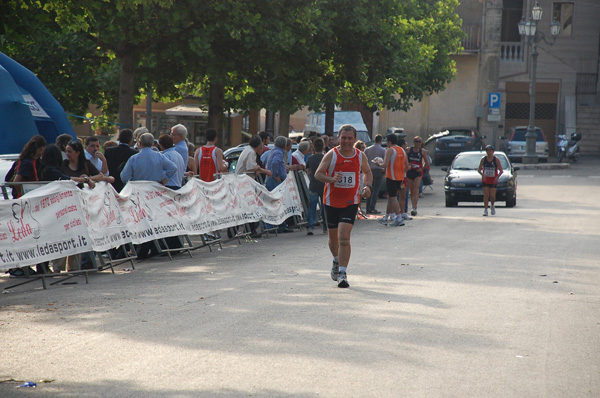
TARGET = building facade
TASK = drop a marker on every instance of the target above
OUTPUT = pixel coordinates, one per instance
(497, 60)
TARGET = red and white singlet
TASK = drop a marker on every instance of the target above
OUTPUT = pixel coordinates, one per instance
(345, 192)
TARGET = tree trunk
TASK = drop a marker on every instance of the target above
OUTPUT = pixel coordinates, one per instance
(127, 89)
(149, 108)
(284, 123)
(253, 123)
(329, 118)
(216, 97)
(270, 123)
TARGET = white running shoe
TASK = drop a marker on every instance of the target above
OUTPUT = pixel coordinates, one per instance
(335, 270)
(413, 212)
(493, 210)
(383, 221)
(406, 216)
(398, 222)
(342, 280)
(485, 213)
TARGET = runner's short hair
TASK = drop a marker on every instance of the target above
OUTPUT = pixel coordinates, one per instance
(211, 134)
(347, 127)
(391, 138)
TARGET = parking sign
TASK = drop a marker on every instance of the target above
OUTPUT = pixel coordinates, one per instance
(494, 101)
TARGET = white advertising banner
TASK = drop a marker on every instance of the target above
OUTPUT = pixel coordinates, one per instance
(101, 209)
(59, 219)
(45, 224)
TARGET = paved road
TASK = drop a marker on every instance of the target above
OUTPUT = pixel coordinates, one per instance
(451, 305)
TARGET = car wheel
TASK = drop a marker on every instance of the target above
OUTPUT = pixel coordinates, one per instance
(512, 202)
(450, 202)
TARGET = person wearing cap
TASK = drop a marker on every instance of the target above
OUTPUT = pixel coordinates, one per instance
(490, 169)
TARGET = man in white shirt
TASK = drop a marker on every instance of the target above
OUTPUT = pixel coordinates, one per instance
(247, 160)
(93, 154)
(301, 152)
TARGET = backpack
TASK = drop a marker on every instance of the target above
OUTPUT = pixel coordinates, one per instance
(10, 176)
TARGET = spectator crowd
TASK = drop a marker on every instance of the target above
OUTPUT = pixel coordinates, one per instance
(171, 159)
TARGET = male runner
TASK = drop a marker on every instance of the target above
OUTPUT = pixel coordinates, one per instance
(209, 158)
(340, 171)
(395, 163)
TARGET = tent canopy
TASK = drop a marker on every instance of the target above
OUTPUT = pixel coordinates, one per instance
(27, 108)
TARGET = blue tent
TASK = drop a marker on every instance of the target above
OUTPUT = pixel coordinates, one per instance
(27, 108)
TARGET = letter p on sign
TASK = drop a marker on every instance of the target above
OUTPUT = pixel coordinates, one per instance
(494, 101)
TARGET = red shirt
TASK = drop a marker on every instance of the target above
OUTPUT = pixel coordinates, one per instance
(345, 192)
(208, 163)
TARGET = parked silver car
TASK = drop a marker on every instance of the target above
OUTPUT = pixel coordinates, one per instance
(515, 144)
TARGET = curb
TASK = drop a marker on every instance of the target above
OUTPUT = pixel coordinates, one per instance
(542, 166)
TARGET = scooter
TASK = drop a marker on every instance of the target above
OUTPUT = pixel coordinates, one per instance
(568, 147)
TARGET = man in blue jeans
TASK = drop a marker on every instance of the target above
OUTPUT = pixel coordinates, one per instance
(315, 187)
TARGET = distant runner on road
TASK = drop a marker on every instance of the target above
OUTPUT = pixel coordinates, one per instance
(490, 169)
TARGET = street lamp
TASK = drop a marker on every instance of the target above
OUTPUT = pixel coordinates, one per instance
(528, 31)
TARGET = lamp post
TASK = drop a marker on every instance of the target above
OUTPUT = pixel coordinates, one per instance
(528, 30)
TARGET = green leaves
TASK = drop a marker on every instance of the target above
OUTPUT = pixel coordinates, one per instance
(267, 54)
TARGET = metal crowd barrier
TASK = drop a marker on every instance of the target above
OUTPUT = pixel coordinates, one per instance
(105, 260)
(26, 187)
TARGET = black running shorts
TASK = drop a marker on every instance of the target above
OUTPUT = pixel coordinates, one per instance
(336, 215)
(393, 186)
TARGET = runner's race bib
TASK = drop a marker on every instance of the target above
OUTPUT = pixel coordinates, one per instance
(348, 180)
(489, 172)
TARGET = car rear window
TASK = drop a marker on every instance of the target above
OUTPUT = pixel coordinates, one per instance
(465, 133)
(519, 135)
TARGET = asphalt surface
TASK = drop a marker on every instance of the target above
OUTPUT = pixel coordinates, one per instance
(451, 305)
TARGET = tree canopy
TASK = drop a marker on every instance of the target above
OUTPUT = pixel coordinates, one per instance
(274, 54)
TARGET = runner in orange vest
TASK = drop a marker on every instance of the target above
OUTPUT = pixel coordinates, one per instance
(395, 164)
(340, 171)
(209, 158)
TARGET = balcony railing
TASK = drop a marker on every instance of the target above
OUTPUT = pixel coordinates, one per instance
(586, 83)
(512, 51)
(472, 39)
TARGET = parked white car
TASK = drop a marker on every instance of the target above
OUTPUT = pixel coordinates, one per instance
(316, 122)
(515, 144)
